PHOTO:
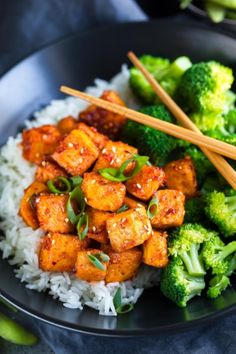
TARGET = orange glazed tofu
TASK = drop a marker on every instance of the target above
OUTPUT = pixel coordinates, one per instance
(114, 154)
(132, 203)
(51, 213)
(65, 125)
(101, 193)
(97, 225)
(76, 152)
(27, 205)
(37, 143)
(48, 170)
(155, 251)
(98, 138)
(106, 122)
(85, 269)
(181, 175)
(170, 209)
(123, 265)
(146, 182)
(58, 252)
(128, 229)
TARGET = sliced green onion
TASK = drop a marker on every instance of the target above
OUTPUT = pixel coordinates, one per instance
(76, 181)
(124, 308)
(95, 261)
(152, 209)
(78, 196)
(82, 223)
(123, 208)
(59, 185)
(118, 175)
(117, 299)
(104, 257)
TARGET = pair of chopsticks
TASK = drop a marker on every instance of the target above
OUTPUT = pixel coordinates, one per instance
(212, 148)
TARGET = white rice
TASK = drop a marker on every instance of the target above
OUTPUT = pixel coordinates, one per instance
(20, 243)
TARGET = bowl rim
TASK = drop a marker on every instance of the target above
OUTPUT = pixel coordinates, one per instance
(115, 332)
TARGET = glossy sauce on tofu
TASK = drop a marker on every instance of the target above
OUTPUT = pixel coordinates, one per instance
(118, 225)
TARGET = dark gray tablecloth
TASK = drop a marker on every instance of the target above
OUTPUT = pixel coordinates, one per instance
(26, 25)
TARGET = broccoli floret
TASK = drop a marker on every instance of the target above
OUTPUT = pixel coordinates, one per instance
(217, 285)
(168, 74)
(201, 163)
(230, 121)
(203, 87)
(221, 210)
(194, 210)
(216, 255)
(149, 141)
(178, 285)
(185, 242)
(206, 121)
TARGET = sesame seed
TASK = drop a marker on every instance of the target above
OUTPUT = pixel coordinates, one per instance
(70, 145)
(112, 161)
(113, 149)
(114, 225)
(44, 136)
(36, 200)
(146, 228)
(93, 181)
(82, 150)
(94, 228)
(66, 220)
(139, 205)
(53, 241)
(104, 151)
(138, 186)
(85, 199)
(43, 163)
(80, 160)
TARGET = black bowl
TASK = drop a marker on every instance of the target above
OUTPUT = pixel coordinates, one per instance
(76, 61)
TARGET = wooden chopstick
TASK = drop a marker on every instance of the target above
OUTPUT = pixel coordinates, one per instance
(169, 128)
(218, 161)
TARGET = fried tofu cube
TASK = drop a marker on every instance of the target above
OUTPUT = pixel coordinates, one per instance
(37, 143)
(128, 229)
(114, 154)
(27, 205)
(67, 124)
(76, 152)
(97, 225)
(106, 122)
(98, 138)
(48, 170)
(181, 175)
(123, 265)
(52, 215)
(170, 209)
(132, 203)
(155, 251)
(86, 270)
(58, 252)
(102, 194)
(146, 182)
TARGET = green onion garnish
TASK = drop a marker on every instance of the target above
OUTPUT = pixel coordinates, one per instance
(82, 223)
(152, 209)
(76, 181)
(59, 185)
(104, 257)
(96, 262)
(123, 208)
(117, 300)
(75, 196)
(124, 308)
(117, 175)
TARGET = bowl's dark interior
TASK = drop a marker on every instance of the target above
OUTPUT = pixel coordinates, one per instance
(76, 62)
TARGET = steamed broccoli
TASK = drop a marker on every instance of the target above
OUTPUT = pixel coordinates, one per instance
(168, 74)
(178, 285)
(221, 210)
(150, 141)
(203, 88)
(230, 121)
(185, 242)
(216, 255)
(194, 210)
(217, 285)
(206, 121)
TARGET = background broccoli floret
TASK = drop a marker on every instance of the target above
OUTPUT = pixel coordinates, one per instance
(150, 141)
(185, 242)
(168, 74)
(194, 210)
(217, 285)
(221, 210)
(178, 285)
(203, 88)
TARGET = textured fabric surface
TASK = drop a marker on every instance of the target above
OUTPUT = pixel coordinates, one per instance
(25, 26)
